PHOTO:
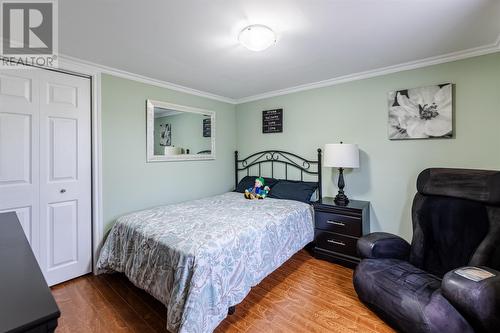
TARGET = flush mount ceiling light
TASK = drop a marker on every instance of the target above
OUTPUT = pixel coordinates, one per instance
(257, 37)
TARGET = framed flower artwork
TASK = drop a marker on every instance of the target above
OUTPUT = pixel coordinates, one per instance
(165, 134)
(421, 113)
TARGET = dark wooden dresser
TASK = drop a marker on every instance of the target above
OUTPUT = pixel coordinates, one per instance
(338, 228)
(26, 303)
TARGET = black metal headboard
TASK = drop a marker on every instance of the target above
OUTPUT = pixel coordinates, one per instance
(279, 157)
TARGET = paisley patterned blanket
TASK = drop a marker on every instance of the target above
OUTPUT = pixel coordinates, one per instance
(203, 256)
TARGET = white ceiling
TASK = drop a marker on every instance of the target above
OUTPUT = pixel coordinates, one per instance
(161, 112)
(193, 43)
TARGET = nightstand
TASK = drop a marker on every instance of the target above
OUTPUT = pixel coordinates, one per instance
(338, 228)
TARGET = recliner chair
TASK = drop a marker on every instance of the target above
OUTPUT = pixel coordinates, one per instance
(456, 223)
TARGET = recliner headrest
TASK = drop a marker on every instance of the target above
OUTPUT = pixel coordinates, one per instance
(478, 185)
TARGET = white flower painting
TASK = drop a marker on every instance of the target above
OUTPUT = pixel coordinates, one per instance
(421, 113)
(166, 134)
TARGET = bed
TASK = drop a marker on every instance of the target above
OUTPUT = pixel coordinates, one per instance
(202, 257)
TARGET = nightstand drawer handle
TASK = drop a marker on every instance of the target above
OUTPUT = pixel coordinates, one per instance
(336, 223)
(336, 242)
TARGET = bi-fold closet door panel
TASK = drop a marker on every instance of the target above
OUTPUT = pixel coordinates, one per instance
(65, 176)
(61, 167)
(19, 150)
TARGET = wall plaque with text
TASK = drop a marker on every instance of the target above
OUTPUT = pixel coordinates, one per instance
(272, 121)
(207, 128)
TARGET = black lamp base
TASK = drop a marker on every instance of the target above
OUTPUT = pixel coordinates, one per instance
(341, 199)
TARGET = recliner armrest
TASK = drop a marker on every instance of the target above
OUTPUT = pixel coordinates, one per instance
(479, 301)
(380, 245)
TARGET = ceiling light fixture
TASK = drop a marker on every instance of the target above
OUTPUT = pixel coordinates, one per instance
(257, 37)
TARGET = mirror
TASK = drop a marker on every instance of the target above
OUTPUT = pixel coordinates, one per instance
(177, 132)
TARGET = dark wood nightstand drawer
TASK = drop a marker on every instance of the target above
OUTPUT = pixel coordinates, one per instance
(338, 228)
(337, 243)
(341, 224)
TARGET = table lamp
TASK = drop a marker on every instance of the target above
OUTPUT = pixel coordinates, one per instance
(341, 155)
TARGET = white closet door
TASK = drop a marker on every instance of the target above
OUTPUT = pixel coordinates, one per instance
(45, 166)
(65, 176)
(19, 158)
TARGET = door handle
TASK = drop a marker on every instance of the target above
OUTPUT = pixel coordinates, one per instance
(63, 190)
(336, 223)
(336, 242)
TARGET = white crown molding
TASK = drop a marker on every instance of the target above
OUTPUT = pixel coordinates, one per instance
(65, 60)
(460, 55)
(87, 66)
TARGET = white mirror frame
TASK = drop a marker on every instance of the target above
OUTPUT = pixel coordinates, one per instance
(150, 120)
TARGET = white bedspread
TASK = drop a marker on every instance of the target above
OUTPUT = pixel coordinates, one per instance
(203, 256)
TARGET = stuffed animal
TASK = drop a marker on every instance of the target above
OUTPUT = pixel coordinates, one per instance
(258, 191)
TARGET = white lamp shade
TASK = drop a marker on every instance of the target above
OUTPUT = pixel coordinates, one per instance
(341, 155)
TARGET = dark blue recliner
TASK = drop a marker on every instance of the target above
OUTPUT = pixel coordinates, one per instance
(456, 223)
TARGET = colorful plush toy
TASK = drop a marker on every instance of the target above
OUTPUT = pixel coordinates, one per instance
(258, 191)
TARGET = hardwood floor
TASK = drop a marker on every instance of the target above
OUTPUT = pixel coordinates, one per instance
(304, 295)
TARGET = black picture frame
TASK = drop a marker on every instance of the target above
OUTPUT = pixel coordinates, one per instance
(207, 128)
(272, 121)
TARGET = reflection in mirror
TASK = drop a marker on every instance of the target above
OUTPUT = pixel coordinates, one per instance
(179, 132)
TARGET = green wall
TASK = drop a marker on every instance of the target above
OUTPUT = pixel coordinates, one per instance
(356, 112)
(129, 182)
